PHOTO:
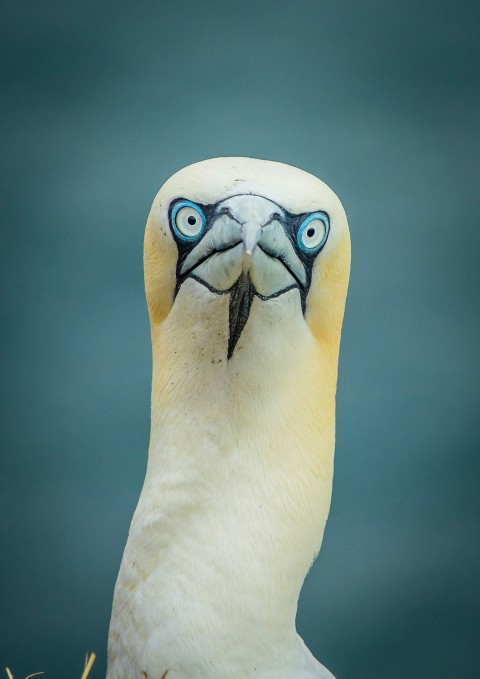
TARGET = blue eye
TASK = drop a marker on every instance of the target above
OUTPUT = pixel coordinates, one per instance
(188, 221)
(313, 232)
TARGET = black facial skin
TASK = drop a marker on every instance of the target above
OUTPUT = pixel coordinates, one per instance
(243, 291)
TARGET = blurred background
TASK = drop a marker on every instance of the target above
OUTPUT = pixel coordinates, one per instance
(101, 102)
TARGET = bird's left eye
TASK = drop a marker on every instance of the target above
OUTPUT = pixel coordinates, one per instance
(313, 232)
(188, 220)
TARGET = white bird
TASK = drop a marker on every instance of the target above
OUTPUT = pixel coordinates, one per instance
(246, 273)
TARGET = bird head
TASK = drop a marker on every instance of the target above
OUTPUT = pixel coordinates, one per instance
(249, 229)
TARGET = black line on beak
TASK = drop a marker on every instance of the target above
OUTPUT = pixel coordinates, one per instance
(241, 298)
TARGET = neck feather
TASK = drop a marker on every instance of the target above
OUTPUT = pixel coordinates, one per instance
(240, 465)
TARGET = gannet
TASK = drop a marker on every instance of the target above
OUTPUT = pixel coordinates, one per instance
(246, 272)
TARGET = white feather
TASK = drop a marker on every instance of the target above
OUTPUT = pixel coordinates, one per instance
(240, 465)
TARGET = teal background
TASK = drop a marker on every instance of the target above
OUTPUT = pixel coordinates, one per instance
(101, 102)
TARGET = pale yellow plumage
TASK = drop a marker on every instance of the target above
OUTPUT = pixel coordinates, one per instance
(240, 466)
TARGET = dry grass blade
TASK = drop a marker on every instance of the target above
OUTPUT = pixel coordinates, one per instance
(89, 660)
(88, 665)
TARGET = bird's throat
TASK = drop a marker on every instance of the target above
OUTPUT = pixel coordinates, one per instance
(241, 298)
(239, 476)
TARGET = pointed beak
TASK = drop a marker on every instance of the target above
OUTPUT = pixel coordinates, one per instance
(247, 252)
(251, 232)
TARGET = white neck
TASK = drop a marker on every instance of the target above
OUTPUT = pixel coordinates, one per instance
(239, 475)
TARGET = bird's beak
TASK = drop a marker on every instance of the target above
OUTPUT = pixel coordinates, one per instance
(251, 232)
(245, 252)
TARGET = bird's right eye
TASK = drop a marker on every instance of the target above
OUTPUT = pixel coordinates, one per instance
(188, 221)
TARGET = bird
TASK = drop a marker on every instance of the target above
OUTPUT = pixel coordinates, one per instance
(246, 265)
